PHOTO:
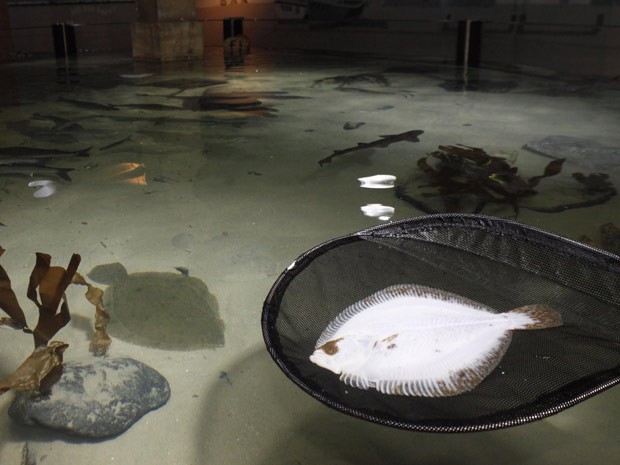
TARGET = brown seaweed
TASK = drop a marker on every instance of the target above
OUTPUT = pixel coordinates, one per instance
(409, 136)
(46, 289)
(39, 371)
(9, 303)
(461, 172)
(610, 238)
(595, 183)
(51, 283)
(101, 339)
(461, 176)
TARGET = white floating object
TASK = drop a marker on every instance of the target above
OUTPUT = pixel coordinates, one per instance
(377, 210)
(419, 341)
(45, 188)
(378, 181)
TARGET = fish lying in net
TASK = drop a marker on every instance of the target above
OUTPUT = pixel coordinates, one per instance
(419, 341)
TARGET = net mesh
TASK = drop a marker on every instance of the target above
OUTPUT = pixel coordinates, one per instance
(499, 263)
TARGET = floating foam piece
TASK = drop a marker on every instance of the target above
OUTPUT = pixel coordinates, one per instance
(46, 188)
(378, 181)
(377, 210)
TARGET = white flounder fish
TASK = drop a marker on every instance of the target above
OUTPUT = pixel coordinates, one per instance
(419, 341)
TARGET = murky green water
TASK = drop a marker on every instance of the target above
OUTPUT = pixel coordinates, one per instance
(215, 172)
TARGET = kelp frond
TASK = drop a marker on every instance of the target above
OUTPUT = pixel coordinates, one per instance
(101, 339)
(46, 289)
(51, 283)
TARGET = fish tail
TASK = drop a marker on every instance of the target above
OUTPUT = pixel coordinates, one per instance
(541, 316)
(83, 152)
(64, 173)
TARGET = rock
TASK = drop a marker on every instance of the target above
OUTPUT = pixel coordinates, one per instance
(95, 400)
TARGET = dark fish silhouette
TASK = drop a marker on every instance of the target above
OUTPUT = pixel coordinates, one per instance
(36, 152)
(47, 135)
(30, 161)
(60, 124)
(589, 154)
(22, 161)
(247, 102)
(348, 126)
(341, 81)
(60, 131)
(149, 106)
(409, 136)
(88, 105)
(114, 144)
(29, 171)
(183, 83)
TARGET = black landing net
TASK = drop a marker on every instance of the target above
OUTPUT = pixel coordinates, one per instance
(499, 263)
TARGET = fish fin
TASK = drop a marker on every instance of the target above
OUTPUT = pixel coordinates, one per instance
(357, 381)
(83, 152)
(64, 173)
(541, 316)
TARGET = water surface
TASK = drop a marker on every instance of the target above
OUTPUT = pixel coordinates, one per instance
(214, 171)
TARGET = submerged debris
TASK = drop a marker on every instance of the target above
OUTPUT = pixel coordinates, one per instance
(183, 270)
(342, 81)
(27, 456)
(224, 376)
(348, 126)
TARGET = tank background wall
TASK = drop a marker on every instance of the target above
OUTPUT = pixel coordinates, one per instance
(6, 47)
(576, 38)
(103, 27)
(571, 36)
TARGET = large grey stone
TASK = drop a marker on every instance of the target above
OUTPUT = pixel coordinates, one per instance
(95, 400)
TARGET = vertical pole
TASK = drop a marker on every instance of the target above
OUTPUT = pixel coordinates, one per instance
(466, 49)
(64, 43)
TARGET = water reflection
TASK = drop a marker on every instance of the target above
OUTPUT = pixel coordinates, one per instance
(377, 210)
(378, 181)
(46, 188)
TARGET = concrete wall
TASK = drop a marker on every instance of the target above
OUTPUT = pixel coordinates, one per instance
(103, 27)
(576, 36)
(5, 33)
(568, 36)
